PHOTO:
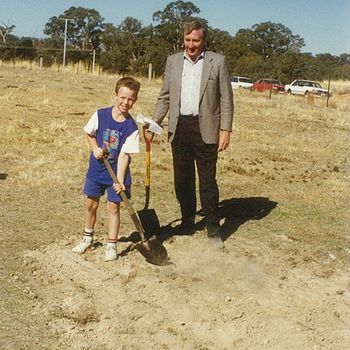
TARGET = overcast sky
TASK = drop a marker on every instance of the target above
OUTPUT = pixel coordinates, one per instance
(323, 24)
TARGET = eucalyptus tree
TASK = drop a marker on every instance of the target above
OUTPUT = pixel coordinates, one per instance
(267, 39)
(170, 22)
(84, 27)
(6, 30)
(123, 47)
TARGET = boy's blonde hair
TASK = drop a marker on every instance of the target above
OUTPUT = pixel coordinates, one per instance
(128, 82)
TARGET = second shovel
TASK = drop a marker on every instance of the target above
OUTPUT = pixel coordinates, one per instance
(148, 217)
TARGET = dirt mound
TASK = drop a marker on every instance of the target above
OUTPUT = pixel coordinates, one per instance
(207, 298)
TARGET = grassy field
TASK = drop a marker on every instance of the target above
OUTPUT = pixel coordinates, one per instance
(284, 190)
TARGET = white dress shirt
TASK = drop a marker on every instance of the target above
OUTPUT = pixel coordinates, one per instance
(190, 85)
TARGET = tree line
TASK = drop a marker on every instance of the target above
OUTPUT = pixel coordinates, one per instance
(266, 50)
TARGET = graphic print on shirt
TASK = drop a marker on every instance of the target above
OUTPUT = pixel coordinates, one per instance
(111, 141)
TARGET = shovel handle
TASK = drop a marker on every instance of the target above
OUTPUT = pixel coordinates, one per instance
(126, 201)
(148, 138)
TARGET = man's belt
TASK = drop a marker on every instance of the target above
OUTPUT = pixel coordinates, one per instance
(189, 116)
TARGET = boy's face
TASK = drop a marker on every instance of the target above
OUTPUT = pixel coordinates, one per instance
(125, 99)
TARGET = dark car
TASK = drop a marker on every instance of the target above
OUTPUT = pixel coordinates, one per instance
(267, 84)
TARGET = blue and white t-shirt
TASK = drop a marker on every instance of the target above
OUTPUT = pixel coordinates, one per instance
(114, 136)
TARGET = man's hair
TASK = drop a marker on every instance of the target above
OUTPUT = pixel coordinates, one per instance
(128, 82)
(195, 25)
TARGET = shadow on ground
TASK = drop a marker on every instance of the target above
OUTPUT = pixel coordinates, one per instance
(237, 211)
(232, 212)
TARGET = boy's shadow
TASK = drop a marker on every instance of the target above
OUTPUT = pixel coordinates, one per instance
(235, 212)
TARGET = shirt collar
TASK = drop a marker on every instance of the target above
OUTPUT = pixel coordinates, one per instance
(200, 57)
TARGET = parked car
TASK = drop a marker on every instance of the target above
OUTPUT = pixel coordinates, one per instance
(306, 87)
(241, 82)
(267, 84)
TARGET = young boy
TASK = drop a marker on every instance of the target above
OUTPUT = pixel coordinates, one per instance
(113, 131)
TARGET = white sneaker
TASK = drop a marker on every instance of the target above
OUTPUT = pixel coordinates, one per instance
(85, 244)
(111, 252)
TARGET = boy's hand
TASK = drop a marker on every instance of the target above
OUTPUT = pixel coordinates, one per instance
(98, 153)
(118, 187)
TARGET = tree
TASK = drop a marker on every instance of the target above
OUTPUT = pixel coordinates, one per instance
(5, 30)
(218, 40)
(124, 47)
(171, 21)
(250, 65)
(275, 38)
(26, 51)
(292, 65)
(268, 39)
(84, 27)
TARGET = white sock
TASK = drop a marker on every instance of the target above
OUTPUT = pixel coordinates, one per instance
(88, 234)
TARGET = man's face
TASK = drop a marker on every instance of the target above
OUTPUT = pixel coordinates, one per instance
(194, 43)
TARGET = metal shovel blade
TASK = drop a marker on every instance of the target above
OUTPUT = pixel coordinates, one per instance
(153, 251)
(149, 221)
(149, 218)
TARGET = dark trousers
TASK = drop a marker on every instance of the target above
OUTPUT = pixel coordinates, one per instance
(188, 150)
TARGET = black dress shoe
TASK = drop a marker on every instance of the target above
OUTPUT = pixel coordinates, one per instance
(185, 228)
(213, 230)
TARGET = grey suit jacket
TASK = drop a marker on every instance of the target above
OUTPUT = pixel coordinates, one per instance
(215, 101)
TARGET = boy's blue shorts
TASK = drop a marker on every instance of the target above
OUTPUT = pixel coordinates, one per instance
(94, 189)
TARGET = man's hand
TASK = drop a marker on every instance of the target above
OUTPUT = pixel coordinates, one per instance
(224, 140)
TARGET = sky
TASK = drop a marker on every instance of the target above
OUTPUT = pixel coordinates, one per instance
(323, 24)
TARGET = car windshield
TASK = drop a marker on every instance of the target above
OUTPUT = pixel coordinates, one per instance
(276, 82)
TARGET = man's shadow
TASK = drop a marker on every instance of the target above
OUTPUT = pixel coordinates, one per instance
(233, 212)
(237, 211)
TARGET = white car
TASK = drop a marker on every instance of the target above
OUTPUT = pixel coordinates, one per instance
(306, 87)
(237, 82)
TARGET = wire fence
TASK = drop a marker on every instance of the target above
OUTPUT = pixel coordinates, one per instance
(47, 57)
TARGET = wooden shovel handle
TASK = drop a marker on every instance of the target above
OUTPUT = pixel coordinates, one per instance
(148, 138)
(126, 201)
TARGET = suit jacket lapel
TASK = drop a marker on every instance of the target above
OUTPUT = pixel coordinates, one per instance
(178, 67)
(207, 65)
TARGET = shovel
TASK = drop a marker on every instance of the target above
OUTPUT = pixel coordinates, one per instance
(152, 249)
(148, 217)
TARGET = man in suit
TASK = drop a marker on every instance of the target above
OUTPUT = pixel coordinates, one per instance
(198, 95)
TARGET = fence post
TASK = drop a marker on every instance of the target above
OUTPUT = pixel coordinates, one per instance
(329, 84)
(149, 71)
(93, 61)
(270, 90)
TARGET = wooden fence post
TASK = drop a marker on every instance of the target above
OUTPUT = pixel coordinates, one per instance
(149, 71)
(329, 84)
